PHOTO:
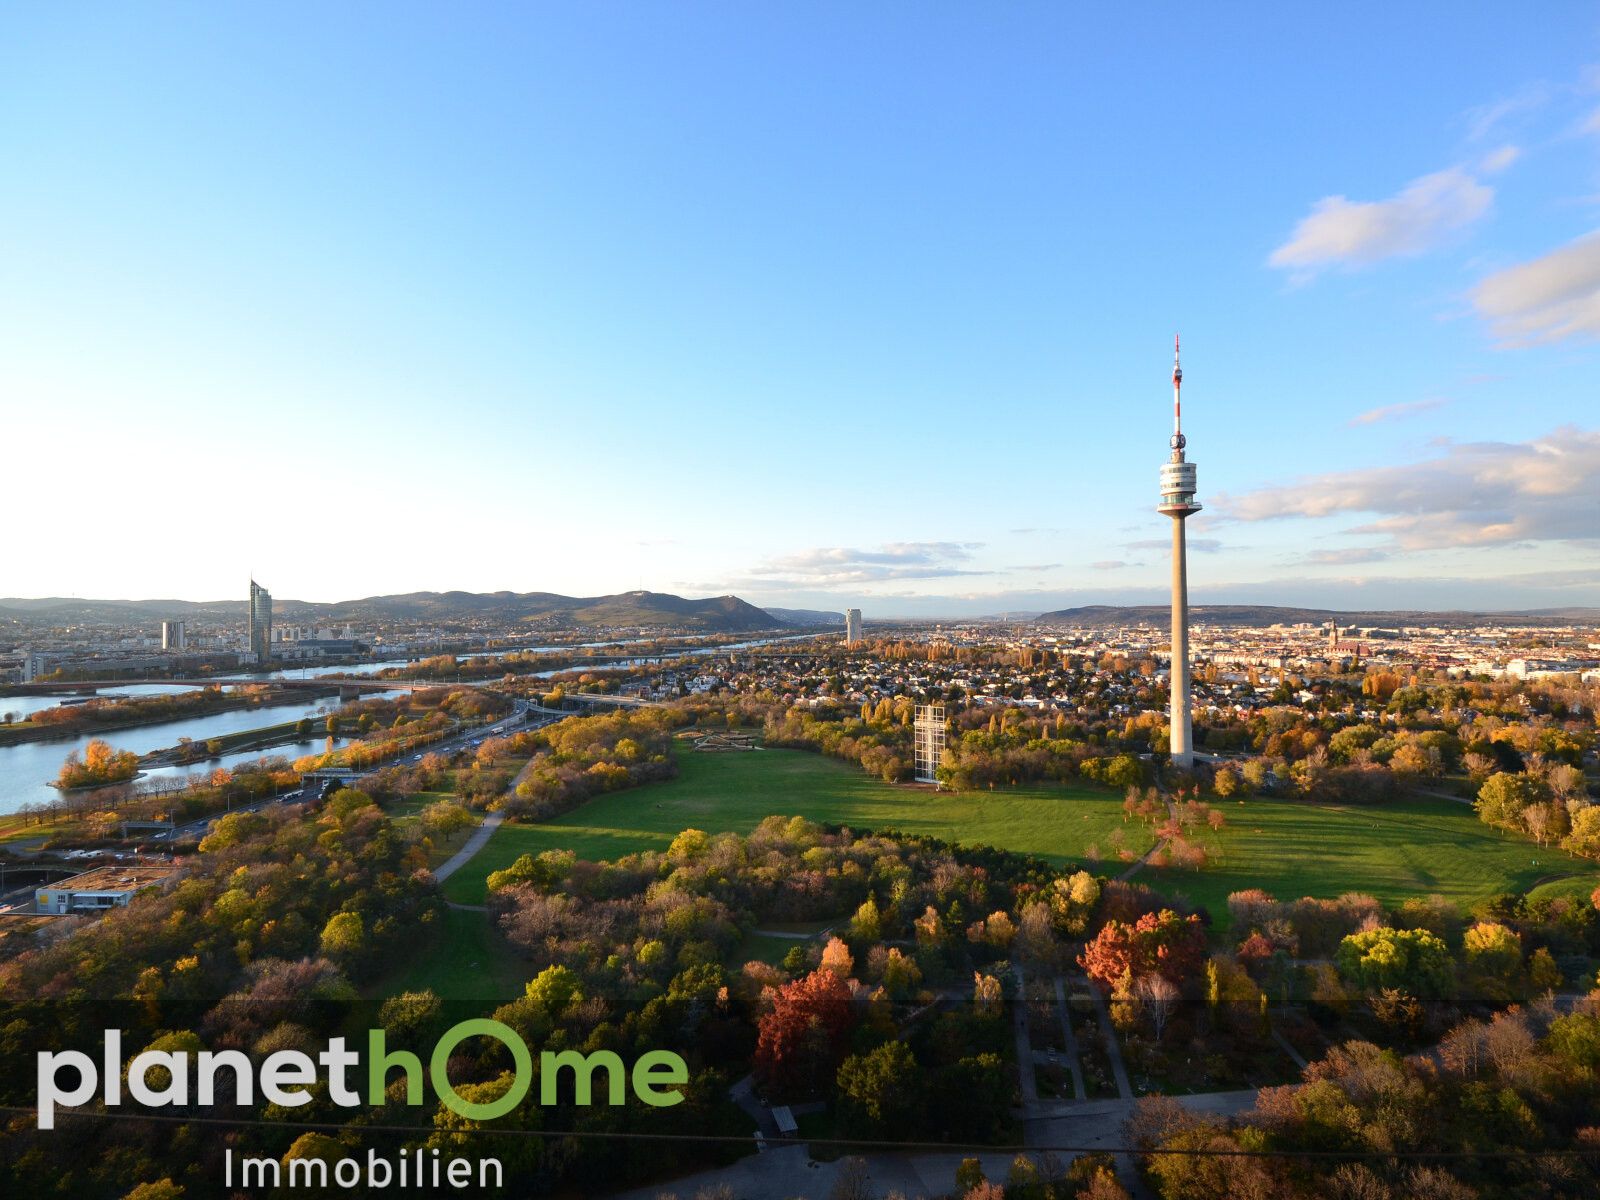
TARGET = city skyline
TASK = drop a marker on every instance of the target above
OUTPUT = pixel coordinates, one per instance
(555, 288)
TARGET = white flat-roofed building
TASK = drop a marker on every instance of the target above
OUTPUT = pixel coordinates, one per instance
(102, 888)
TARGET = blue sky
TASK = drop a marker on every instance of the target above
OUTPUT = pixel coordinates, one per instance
(823, 304)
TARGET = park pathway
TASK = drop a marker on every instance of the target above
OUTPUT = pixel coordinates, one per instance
(1071, 1041)
(1143, 860)
(1288, 1048)
(480, 838)
(1025, 1078)
(1119, 1072)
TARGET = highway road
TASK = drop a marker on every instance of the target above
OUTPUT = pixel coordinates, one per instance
(525, 716)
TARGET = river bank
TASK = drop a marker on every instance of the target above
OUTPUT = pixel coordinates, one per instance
(266, 737)
(90, 725)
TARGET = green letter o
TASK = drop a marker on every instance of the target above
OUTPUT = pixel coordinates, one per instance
(481, 1027)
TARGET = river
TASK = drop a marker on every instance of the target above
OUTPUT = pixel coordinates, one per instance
(26, 769)
(372, 668)
(25, 706)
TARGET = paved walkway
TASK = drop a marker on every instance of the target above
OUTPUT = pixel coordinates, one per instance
(1119, 1072)
(1025, 1078)
(1288, 1048)
(790, 1171)
(1071, 1041)
(480, 838)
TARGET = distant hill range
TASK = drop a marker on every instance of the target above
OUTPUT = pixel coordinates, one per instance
(644, 610)
(803, 618)
(1267, 614)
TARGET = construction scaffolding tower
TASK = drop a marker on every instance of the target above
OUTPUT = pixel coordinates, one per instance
(929, 742)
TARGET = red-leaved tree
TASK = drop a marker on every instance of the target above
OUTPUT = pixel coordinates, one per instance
(1161, 943)
(803, 1039)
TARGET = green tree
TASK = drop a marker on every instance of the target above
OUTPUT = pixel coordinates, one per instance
(969, 1175)
(1543, 974)
(1412, 960)
(344, 935)
(1503, 796)
(553, 989)
(1491, 949)
(1585, 836)
(867, 925)
(411, 1018)
(881, 1091)
(161, 1189)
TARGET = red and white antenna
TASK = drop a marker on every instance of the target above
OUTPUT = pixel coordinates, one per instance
(1177, 390)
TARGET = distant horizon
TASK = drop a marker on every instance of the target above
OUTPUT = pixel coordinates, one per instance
(1155, 600)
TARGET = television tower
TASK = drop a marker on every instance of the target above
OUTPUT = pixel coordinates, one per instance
(1177, 502)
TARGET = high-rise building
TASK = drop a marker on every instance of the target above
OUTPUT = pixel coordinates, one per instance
(260, 622)
(1178, 502)
(927, 742)
(852, 626)
(174, 635)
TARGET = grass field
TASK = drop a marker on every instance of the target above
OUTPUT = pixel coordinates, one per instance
(466, 962)
(734, 792)
(1577, 887)
(764, 947)
(1411, 847)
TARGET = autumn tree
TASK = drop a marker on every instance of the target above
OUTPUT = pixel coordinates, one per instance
(837, 959)
(1160, 943)
(802, 1039)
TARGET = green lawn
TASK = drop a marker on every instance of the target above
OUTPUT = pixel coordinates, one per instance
(1407, 848)
(1578, 887)
(763, 947)
(734, 792)
(465, 961)
(404, 810)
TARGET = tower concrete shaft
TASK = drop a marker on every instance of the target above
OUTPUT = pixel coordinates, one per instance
(1178, 502)
(1182, 742)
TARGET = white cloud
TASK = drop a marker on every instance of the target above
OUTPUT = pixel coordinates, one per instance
(1110, 564)
(1353, 554)
(1485, 119)
(1498, 160)
(1390, 411)
(1551, 298)
(1476, 494)
(1341, 231)
(830, 567)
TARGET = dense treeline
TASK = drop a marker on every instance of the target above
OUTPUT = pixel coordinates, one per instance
(260, 946)
(1496, 1093)
(97, 766)
(630, 956)
(582, 757)
(115, 711)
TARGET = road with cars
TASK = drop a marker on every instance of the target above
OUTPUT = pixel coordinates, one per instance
(523, 717)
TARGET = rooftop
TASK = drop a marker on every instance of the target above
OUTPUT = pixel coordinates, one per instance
(119, 878)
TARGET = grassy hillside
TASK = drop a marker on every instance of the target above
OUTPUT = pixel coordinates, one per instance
(1408, 848)
(734, 792)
